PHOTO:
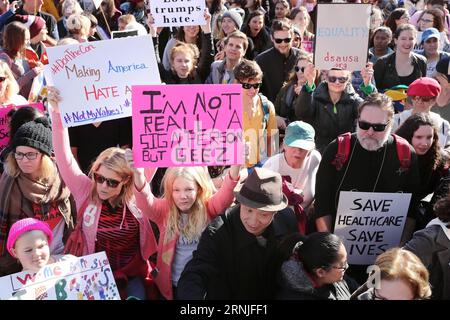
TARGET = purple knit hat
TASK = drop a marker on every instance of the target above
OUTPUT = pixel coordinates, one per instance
(22, 226)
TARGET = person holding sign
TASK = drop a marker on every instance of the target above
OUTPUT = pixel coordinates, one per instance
(109, 219)
(29, 242)
(31, 186)
(316, 269)
(187, 206)
(372, 164)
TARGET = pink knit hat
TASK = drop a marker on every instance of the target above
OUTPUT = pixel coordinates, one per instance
(22, 226)
(34, 23)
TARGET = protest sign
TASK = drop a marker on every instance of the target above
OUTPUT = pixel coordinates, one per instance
(177, 13)
(369, 223)
(95, 78)
(342, 36)
(4, 127)
(76, 278)
(187, 125)
(123, 34)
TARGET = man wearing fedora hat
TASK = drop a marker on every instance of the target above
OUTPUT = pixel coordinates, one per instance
(238, 255)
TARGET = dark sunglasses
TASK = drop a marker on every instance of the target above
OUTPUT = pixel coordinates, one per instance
(286, 40)
(2, 79)
(249, 85)
(109, 182)
(424, 99)
(340, 79)
(297, 69)
(378, 127)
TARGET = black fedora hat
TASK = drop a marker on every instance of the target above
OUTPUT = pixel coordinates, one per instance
(262, 190)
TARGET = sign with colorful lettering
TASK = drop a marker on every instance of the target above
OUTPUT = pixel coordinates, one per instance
(369, 223)
(177, 13)
(95, 78)
(342, 39)
(75, 278)
(187, 125)
(4, 127)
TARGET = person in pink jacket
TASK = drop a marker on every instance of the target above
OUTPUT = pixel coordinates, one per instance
(109, 219)
(187, 206)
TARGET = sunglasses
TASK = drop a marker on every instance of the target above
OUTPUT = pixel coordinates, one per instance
(297, 69)
(286, 40)
(109, 182)
(2, 79)
(249, 85)
(333, 79)
(424, 99)
(378, 127)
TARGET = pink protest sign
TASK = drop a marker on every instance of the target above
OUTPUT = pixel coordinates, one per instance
(187, 125)
(4, 128)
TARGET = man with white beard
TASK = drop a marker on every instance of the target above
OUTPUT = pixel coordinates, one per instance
(372, 164)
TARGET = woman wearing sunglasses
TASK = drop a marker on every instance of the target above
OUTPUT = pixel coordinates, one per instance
(31, 187)
(9, 89)
(314, 268)
(108, 218)
(331, 107)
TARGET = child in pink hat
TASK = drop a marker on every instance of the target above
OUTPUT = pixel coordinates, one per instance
(28, 241)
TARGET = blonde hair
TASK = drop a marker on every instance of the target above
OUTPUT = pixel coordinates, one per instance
(398, 263)
(197, 215)
(46, 172)
(114, 159)
(12, 88)
(78, 24)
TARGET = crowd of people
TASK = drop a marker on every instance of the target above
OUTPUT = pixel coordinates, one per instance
(261, 230)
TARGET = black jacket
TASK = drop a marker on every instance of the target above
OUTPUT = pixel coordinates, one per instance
(230, 263)
(317, 109)
(386, 75)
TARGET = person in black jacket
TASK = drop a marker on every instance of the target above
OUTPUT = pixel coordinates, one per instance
(238, 256)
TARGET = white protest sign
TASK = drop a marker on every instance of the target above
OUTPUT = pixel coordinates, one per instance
(77, 278)
(342, 36)
(177, 13)
(369, 223)
(95, 78)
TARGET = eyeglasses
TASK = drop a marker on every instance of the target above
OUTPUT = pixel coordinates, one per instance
(28, 155)
(424, 99)
(286, 40)
(378, 127)
(343, 268)
(249, 85)
(427, 20)
(333, 79)
(297, 69)
(109, 182)
(2, 79)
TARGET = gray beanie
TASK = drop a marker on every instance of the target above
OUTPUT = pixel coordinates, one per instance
(235, 15)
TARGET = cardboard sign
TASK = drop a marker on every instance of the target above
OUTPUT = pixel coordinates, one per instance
(187, 125)
(177, 13)
(342, 36)
(4, 127)
(124, 34)
(95, 78)
(77, 278)
(370, 223)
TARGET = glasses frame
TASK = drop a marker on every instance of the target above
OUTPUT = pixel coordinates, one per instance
(29, 155)
(341, 80)
(279, 40)
(111, 183)
(248, 86)
(343, 268)
(297, 69)
(377, 127)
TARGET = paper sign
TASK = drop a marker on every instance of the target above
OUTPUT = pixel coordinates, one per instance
(342, 36)
(187, 125)
(308, 46)
(95, 78)
(124, 34)
(97, 3)
(4, 127)
(77, 278)
(177, 13)
(370, 223)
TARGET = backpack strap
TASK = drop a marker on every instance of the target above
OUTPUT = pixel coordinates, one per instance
(343, 150)
(265, 105)
(403, 152)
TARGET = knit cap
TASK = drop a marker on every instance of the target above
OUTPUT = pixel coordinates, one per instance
(24, 225)
(35, 134)
(34, 23)
(235, 15)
